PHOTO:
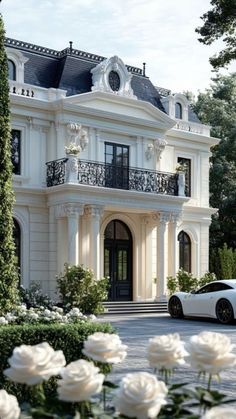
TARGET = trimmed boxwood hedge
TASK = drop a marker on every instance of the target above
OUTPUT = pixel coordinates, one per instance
(67, 337)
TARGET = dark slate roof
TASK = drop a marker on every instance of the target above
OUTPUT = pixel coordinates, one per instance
(69, 69)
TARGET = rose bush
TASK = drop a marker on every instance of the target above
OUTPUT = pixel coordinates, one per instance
(104, 347)
(140, 395)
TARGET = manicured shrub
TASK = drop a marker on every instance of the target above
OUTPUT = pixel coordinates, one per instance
(78, 288)
(69, 338)
(186, 282)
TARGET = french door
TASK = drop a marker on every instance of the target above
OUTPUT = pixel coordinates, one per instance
(118, 261)
(117, 166)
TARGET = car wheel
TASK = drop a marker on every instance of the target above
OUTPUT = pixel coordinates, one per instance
(224, 311)
(175, 308)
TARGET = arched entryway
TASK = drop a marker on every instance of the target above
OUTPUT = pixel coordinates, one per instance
(118, 260)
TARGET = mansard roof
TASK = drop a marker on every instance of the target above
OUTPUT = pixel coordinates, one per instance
(70, 68)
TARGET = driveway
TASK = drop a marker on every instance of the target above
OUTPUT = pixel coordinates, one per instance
(135, 330)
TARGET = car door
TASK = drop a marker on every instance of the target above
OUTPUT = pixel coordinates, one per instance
(200, 302)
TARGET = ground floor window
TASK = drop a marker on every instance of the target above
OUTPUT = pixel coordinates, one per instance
(184, 251)
(17, 240)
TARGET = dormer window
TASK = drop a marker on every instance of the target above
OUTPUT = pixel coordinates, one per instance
(178, 111)
(11, 70)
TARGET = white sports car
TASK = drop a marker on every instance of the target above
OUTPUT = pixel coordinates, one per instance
(216, 300)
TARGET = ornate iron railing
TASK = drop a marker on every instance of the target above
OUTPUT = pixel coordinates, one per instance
(106, 175)
(56, 171)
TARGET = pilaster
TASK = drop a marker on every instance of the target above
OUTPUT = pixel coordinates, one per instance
(93, 213)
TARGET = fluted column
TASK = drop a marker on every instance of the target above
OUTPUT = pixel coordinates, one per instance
(172, 241)
(93, 214)
(146, 260)
(71, 211)
(162, 253)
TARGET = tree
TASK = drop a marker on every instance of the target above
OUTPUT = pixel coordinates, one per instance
(220, 22)
(217, 107)
(9, 277)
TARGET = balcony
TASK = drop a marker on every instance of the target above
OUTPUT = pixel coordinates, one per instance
(109, 176)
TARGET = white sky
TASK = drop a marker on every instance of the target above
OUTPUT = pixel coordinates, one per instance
(158, 32)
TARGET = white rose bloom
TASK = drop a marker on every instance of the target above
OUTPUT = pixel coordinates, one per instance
(140, 396)
(166, 351)
(9, 408)
(220, 412)
(105, 347)
(3, 320)
(34, 364)
(80, 380)
(210, 352)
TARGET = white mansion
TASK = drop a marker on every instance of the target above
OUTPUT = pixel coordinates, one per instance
(118, 207)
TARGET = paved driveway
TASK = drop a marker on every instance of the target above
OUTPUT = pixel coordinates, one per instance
(135, 330)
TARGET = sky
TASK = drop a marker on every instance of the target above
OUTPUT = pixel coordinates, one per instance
(158, 32)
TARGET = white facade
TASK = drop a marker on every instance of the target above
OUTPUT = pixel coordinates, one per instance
(67, 222)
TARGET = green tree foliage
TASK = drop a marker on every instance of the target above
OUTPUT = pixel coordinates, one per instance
(8, 264)
(186, 282)
(220, 23)
(217, 107)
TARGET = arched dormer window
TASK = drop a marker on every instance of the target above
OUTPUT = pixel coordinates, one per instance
(178, 111)
(11, 70)
(184, 251)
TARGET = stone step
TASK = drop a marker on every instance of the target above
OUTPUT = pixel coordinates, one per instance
(133, 307)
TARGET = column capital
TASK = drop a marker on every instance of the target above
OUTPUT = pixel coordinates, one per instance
(176, 217)
(93, 211)
(68, 210)
(163, 217)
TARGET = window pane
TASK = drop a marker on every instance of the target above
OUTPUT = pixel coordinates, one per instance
(16, 151)
(122, 265)
(184, 251)
(109, 231)
(121, 232)
(187, 165)
(178, 110)
(11, 70)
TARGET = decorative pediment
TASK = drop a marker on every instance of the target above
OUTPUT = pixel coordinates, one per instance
(112, 76)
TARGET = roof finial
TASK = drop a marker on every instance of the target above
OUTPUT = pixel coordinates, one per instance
(71, 43)
(144, 69)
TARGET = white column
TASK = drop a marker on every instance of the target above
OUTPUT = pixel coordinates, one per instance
(93, 214)
(71, 211)
(146, 260)
(162, 254)
(172, 241)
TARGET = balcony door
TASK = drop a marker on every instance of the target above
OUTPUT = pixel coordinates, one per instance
(116, 166)
(118, 261)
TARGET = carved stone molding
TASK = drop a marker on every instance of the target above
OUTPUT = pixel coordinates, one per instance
(176, 217)
(100, 77)
(162, 217)
(68, 210)
(77, 135)
(157, 147)
(93, 211)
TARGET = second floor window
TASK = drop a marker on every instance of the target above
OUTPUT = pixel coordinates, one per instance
(117, 166)
(187, 165)
(16, 151)
(11, 70)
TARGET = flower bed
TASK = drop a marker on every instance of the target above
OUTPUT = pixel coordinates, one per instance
(140, 395)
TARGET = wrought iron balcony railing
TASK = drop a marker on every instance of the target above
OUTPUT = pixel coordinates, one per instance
(109, 176)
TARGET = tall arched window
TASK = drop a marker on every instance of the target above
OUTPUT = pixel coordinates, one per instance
(17, 240)
(178, 110)
(184, 251)
(11, 70)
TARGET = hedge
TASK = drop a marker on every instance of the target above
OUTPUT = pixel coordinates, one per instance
(69, 338)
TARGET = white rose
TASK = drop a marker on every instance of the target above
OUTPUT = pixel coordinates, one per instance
(9, 408)
(3, 320)
(105, 347)
(166, 351)
(220, 412)
(210, 352)
(80, 380)
(34, 364)
(140, 396)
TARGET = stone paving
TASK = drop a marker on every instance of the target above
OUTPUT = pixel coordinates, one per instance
(135, 330)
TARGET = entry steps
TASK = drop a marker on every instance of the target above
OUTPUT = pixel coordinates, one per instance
(134, 307)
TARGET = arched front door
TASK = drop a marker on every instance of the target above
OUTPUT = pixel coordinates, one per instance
(118, 260)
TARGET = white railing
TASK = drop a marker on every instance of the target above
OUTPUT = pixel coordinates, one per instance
(192, 127)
